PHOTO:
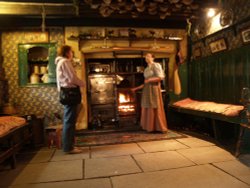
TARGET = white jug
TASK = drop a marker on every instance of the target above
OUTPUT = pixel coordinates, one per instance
(34, 78)
(36, 69)
(45, 78)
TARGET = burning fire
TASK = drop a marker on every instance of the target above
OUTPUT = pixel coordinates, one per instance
(125, 107)
(123, 98)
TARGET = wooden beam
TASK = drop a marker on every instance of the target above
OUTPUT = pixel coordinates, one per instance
(15, 22)
(7, 8)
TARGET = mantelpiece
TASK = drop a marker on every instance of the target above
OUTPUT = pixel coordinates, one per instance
(169, 49)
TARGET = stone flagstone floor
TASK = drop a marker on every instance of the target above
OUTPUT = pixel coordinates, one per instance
(186, 162)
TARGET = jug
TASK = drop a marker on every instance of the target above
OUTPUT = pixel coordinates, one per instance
(34, 78)
(45, 78)
(36, 69)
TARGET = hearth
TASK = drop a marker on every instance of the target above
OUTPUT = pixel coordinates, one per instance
(126, 102)
(110, 101)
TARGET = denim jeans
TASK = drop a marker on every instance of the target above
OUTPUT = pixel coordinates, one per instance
(69, 124)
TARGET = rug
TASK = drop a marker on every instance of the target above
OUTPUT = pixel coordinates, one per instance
(123, 137)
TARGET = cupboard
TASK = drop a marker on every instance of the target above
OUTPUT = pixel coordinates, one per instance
(36, 64)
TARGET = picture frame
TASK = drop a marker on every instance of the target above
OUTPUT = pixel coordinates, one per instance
(37, 36)
(218, 45)
(245, 34)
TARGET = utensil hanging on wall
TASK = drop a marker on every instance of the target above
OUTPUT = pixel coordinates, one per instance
(43, 19)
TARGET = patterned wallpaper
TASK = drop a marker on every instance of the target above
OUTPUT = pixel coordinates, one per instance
(41, 100)
(231, 35)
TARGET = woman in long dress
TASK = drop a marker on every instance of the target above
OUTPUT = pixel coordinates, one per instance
(153, 116)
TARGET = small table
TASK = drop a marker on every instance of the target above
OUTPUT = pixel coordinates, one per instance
(243, 127)
(54, 134)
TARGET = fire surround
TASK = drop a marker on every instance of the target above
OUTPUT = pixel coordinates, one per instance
(109, 81)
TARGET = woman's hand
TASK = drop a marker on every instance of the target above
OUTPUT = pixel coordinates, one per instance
(133, 89)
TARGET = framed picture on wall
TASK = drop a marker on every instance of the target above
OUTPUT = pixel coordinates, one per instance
(218, 45)
(246, 35)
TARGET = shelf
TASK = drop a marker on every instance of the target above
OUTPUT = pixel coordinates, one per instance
(40, 84)
(123, 88)
(124, 73)
(38, 62)
(82, 38)
(36, 58)
(116, 73)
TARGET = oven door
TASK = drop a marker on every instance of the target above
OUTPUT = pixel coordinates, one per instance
(102, 89)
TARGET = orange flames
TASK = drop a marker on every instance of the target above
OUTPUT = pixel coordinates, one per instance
(125, 107)
(123, 98)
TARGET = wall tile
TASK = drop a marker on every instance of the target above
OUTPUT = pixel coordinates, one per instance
(30, 100)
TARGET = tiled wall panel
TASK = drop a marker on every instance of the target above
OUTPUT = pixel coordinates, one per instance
(29, 100)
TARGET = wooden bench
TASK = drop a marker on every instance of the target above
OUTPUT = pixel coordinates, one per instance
(210, 115)
(12, 141)
(213, 117)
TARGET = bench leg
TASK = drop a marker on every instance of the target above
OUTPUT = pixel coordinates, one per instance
(13, 161)
(214, 129)
(239, 141)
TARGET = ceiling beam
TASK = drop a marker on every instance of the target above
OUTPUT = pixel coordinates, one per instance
(9, 23)
(10, 8)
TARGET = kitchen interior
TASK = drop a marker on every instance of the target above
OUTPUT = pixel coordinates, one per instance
(110, 40)
(204, 50)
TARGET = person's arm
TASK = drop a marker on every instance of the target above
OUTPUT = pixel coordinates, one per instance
(137, 88)
(152, 80)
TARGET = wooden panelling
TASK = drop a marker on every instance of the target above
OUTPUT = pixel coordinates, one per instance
(221, 77)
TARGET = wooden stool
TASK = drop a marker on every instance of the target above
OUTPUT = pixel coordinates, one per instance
(54, 136)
